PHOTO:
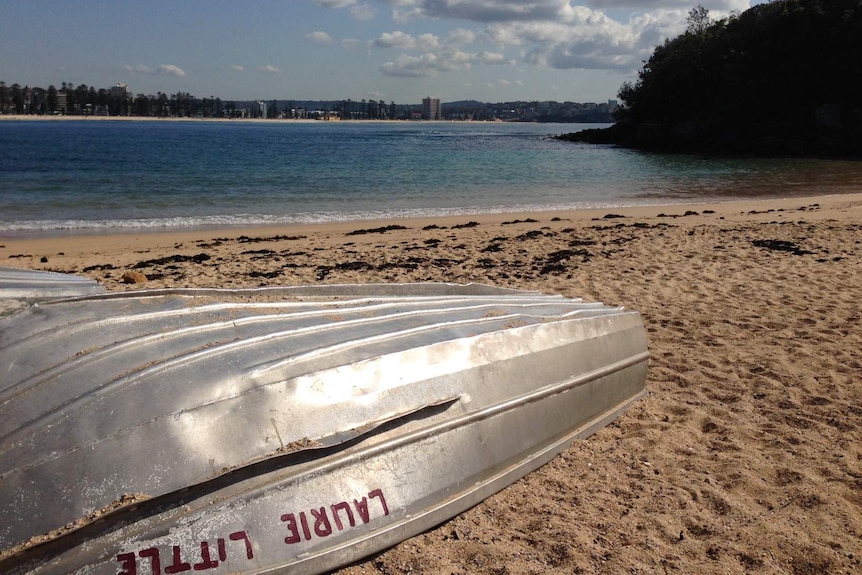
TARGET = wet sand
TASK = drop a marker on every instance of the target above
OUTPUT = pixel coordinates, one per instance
(745, 458)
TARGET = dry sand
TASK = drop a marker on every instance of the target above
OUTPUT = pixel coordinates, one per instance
(745, 458)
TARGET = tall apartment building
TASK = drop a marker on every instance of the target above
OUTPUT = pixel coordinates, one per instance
(431, 109)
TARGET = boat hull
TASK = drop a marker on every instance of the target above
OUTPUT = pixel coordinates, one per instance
(18, 287)
(305, 432)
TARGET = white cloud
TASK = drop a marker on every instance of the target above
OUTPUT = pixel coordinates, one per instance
(612, 35)
(430, 64)
(162, 70)
(138, 69)
(411, 66)
(718, 5)
(171, 70)
(461, 36)
(319, 37)
(395, 39)
(268, 69)
(503, 83)
(589, 39)
(336, 3)
(424, 42)
(492, 58)
(238, 68)
(427, 42)
(358, 11)
(363, 12)
(488, 11)
(606, 45)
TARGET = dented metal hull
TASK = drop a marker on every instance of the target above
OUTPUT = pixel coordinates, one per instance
(20, 287)
(287, 429)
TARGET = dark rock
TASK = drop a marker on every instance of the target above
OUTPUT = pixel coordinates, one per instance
(133, 277)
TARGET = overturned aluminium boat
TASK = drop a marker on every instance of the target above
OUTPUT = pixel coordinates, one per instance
(288, 430)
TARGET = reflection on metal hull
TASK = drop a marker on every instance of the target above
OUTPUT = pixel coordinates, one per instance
(18, 287)
(296, 429)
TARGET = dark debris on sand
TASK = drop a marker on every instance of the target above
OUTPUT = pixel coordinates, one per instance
(782, 246)
(174, 259)
(381, 230)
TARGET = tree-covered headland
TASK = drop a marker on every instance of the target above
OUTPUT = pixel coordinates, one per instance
(783, 78)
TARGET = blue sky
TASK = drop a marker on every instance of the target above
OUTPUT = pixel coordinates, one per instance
(392, 50)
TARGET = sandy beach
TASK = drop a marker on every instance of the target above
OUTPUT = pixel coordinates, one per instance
(745, 458)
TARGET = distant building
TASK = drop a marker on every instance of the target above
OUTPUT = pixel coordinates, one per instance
(261, 109)
(120, 91)
(431, 109)
(62, 106)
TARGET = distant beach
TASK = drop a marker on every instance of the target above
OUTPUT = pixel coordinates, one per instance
(62, 117)
(745, 457)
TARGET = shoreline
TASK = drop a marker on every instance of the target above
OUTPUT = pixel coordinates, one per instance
(491, 216)
(81, 241)
(60, 117)
(66, 118)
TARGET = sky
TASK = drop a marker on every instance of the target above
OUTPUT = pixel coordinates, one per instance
(391, 50)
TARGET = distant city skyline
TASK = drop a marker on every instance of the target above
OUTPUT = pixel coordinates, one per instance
(392, 50)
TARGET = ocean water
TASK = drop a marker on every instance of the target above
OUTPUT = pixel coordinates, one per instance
(58, 176)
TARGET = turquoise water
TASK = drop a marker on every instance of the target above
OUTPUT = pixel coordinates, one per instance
(108, 175)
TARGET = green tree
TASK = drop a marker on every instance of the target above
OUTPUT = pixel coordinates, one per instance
(51, 99)
(776, 77)
(164, 107)
(17, 96)
(103, 101)
(698, 20)
(142, 105)
(81, 93)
